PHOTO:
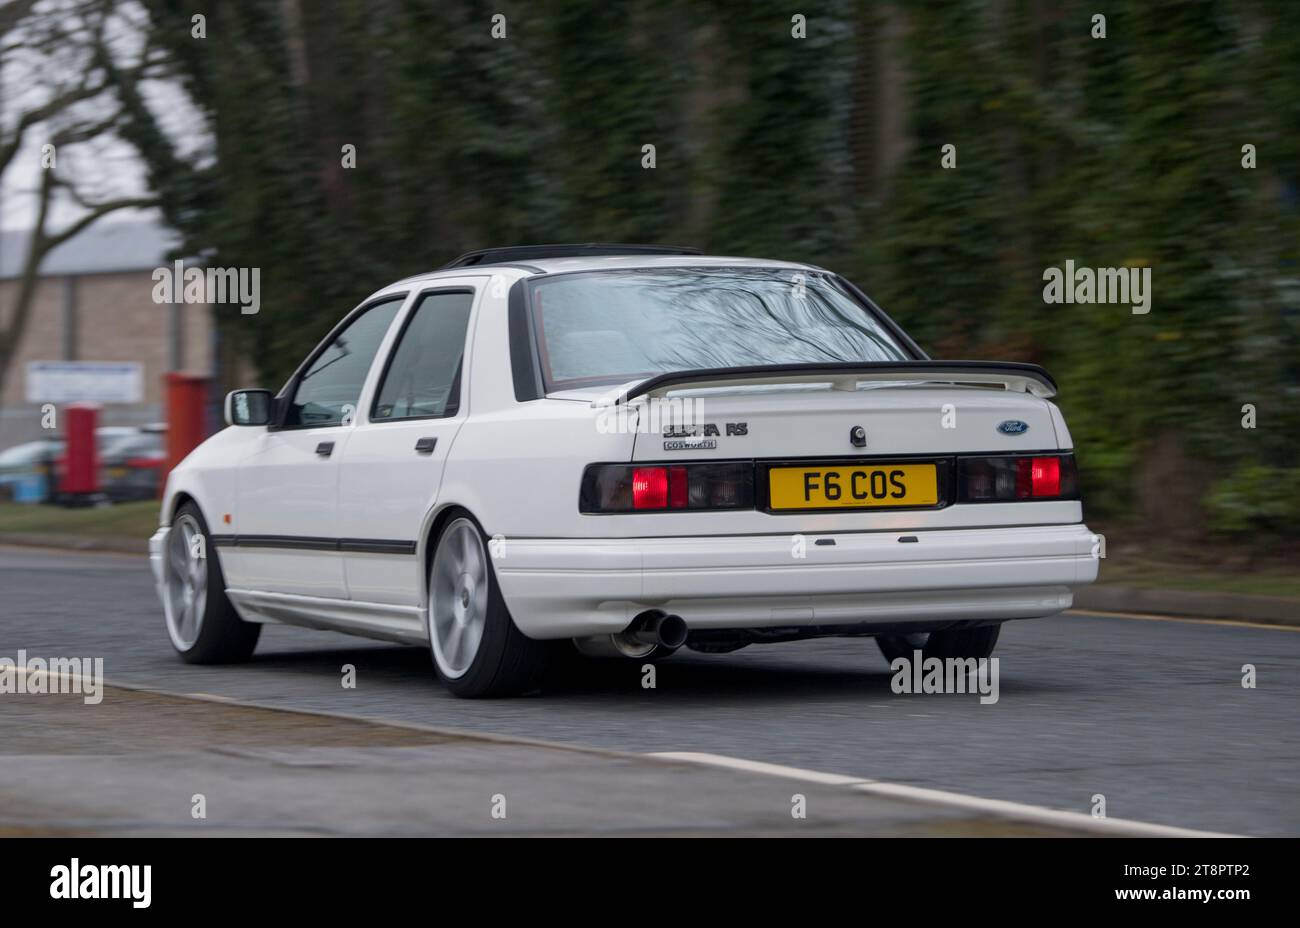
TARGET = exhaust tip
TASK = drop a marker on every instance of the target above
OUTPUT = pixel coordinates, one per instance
(655, 627)
(672, 631)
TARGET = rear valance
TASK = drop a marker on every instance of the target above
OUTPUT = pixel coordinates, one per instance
(1011, 375)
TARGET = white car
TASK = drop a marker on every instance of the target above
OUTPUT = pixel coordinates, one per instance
(628, 449)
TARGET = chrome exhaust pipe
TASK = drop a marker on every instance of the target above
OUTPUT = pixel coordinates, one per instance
(657, 627)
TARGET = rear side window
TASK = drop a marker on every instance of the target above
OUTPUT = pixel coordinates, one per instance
(331, 387)
(423, 377)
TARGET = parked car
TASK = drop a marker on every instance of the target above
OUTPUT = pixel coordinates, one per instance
(25, 470)
(132, 465)
(632, 449)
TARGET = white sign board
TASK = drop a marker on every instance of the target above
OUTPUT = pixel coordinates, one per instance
(85, 382)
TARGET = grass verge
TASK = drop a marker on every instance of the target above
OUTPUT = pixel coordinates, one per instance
(125, 520)
(1158, 575)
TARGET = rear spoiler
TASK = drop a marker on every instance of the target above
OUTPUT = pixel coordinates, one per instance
(1011, 375)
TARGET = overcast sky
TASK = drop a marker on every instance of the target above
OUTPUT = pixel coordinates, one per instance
(103, 168)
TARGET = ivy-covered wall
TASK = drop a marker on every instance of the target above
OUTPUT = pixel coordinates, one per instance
(777, 136)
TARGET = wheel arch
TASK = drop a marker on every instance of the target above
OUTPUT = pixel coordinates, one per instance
(179, 499)
(439, 517)
(182, 497)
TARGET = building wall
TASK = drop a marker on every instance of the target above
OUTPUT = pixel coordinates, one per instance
(116, 320)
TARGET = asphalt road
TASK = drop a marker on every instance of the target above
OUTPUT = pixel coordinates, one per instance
(1149, 713)
(135, 764)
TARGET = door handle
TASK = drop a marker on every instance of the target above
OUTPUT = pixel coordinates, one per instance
(425, 445)
(325, 448)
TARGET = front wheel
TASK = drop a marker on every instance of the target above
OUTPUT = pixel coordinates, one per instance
(201, 622)
(477, 650)
(961, 643)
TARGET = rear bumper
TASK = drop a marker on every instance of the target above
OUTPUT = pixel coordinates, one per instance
(558, 588)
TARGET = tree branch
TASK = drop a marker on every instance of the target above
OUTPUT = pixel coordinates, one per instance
(40, 114)
(13, 13)
(97, 212)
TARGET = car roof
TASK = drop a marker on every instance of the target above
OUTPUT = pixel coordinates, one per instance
(514, 254)
(566, 265)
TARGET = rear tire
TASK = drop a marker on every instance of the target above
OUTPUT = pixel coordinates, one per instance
(478, 651)
(963, 643)
(202, 624)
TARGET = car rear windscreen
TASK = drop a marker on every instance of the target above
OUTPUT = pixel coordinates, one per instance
(615, 326)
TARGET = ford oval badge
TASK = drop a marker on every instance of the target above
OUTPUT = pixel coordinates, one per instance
(1013, 427)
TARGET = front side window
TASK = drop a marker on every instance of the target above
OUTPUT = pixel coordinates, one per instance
(422, 380)
(610, 327)
(327, 394)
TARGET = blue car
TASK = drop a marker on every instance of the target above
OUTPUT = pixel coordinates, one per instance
(25, 470)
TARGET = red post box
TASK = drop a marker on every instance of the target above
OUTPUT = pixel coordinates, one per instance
(187, 397)
(80, 456)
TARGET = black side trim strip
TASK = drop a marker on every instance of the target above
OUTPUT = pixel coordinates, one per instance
(307, 543)
(376, 546)
(286, 541)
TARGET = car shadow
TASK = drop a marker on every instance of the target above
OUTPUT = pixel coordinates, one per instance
(756, 676)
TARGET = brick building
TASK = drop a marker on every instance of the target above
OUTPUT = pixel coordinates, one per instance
(94, 302)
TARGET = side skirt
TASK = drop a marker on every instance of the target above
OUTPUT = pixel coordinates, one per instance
(402, 624)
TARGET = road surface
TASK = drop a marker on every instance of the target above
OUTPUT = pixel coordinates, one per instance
(1150, 714)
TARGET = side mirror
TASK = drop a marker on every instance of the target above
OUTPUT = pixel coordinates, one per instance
(248, 407)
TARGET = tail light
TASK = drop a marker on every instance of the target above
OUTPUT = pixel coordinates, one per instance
(649, 487)
(667, 487)
(1045, 476)
(1007, 478)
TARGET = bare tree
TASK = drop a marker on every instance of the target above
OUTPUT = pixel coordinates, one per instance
(65, 54)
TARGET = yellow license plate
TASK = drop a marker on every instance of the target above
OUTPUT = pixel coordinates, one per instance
(862, 487)
(117, 472)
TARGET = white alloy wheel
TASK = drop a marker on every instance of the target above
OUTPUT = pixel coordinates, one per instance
(458, 598)
(186, 582)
